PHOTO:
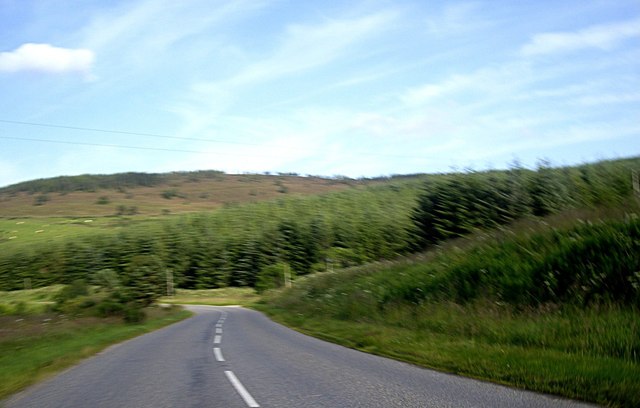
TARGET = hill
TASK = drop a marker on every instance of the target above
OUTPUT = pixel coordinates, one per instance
(155, 194)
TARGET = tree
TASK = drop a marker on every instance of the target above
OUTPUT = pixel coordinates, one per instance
(144, 280)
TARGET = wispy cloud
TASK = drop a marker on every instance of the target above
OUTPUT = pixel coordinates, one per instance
(481, 84)
(152, 25)
(306, 47)
(302, 48)
(603, 36)
(47, 58)
(458, 18)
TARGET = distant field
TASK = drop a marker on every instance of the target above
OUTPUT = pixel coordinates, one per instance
(182, 194)
(214, 297)
(18, 232)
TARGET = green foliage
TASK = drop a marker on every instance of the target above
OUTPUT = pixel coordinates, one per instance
(550, 305)
(126, 296)
(461, 204)
(102, 200)
(231, 246)
(75, 299)
(134, 314)
(66, 184)
(458, 204)
(41, 199)
(77, 288)
(106, 278)
(343, 257)
(126, 210)
(272, 276)
(31, 349)
(169, 194)
(589, 264)
(143, 280)
(588, 354)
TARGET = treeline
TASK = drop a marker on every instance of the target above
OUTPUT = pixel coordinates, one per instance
(119, 181)
(233, 246)
(94, 182)
(246, 245)
(457, 204)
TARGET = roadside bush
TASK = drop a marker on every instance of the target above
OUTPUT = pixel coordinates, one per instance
(5, 310)
(109, 307)
(134, 314)
(271, 277)
(76, 288)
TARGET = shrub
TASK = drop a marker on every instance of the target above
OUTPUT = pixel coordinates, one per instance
(76, 288)
(41, 199)
(134, 314)
(103, 200)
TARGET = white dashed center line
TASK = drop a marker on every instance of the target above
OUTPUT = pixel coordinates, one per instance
(218, 353)
(248, 399)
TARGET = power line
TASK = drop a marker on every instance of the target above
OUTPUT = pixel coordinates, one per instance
(121, 132)
(33, 139)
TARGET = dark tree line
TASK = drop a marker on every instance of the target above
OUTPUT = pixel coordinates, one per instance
(458, 204)
(94, 182)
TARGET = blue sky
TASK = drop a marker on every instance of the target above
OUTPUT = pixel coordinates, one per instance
(360, 88)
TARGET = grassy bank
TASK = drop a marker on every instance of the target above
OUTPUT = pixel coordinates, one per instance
(550, 306)
(35, 346)
(564, 353)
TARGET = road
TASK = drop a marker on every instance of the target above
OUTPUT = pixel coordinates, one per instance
(234, 357)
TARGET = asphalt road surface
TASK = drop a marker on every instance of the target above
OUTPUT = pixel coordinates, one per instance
(233, 357)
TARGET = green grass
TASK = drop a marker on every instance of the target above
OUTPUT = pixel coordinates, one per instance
(25, 233)
(30, 301)
(550, 306)
(214, 297)
(572, 353)
(34, 347)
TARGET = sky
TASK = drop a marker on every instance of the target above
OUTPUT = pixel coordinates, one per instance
(355, 88)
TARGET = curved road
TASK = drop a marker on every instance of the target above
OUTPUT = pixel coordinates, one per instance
(234, 357)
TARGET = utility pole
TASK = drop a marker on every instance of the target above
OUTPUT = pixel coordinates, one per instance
(287, 275)
(170, 282)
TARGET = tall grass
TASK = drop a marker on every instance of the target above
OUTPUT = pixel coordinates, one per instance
(550, 305)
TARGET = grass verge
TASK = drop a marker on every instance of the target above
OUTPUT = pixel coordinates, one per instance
(547, 305)
(34, 347)
(564, 352)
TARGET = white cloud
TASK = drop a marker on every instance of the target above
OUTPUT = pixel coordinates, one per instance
(604, 37)
(482, 85)
(428, 92)
(47, 58)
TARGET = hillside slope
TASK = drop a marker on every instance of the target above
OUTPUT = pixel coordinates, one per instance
(549, 305)
(154, 194)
